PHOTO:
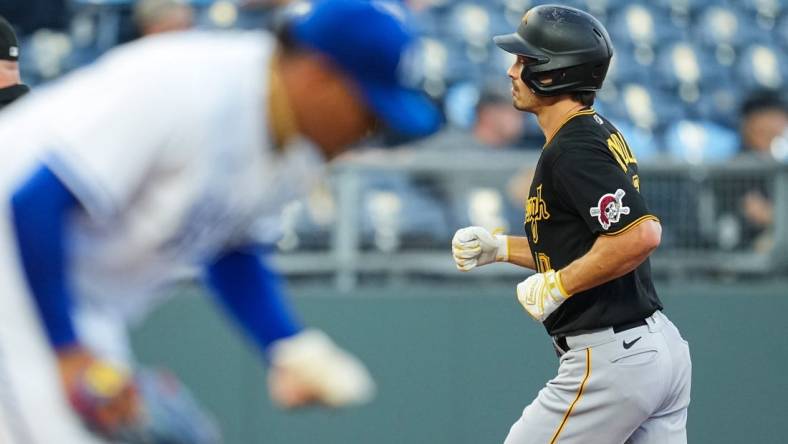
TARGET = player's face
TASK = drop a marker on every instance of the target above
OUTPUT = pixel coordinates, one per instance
(348, 119)
(9, 73)
(328, 107)
(522, 97)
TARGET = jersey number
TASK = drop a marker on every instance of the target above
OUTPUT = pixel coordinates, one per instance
(542, 263)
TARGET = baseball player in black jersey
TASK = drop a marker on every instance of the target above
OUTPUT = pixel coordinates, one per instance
(625, 370)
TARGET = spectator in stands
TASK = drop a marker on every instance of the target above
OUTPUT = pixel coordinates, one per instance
(11, 87)
(159, 16)
(496, 125)
(764, 117)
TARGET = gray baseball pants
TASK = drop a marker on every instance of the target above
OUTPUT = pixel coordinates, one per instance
(630, 387)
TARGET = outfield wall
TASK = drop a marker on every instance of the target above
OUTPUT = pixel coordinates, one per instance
(456, 364)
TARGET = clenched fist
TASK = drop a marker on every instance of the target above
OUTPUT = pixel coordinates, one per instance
(541, 294)
(473, 247)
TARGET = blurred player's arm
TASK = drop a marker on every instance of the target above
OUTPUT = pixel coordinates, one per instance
(305, 365)
(103, 395)
(475, 246)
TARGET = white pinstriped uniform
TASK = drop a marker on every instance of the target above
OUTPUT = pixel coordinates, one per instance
(165, 143)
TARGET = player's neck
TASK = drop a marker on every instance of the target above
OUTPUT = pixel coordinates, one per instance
(282, 118)
(552, 118)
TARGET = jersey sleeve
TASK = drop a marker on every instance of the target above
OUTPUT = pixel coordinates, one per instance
(111, 124)
(605, 196)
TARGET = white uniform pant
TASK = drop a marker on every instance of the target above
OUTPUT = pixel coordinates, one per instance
(33, 408)
(629, 387)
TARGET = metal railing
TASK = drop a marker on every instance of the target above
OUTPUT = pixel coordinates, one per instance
(726, 219)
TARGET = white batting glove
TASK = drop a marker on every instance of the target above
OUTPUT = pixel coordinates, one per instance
(541, 294)
(473, 247)
(309, 368)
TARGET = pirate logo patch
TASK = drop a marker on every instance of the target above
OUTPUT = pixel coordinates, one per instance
(610, 208)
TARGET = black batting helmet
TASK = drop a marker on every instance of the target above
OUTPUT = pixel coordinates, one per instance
(571, 48)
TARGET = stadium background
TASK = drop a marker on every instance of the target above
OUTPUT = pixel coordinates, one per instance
(368, 257)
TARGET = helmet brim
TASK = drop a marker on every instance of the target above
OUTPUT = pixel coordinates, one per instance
(513, 43)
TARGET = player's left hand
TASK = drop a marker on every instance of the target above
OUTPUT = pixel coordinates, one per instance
(103, 395)
(308, 369)
(541, 294)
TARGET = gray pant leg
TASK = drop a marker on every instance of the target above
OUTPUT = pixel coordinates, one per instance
(669, 429)
(669, 423)
(607, 394)
(578, 406)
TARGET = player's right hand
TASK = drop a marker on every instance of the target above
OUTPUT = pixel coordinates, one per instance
(104, 396)
(309, 368)
(473, 247)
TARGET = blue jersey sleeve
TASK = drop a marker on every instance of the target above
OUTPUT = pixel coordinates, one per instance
(41, 207)
(253, 294)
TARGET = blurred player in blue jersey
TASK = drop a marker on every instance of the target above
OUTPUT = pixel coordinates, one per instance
(168, 154)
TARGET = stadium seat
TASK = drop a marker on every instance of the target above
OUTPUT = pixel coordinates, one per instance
(682, 12)
(624, 67)
(645, 144)
(634, 25)
(646, 107)
(719, 102)
(766, 12)
(399, 210)
(683, 70)
(761, 66)
(781, 31)
(699, 142)
(459, 104)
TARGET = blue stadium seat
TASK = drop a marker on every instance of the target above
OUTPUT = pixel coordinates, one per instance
(602, 9)
(781, 31)
(472, 26)
(644, 143)
(440, 63)
(719, 102)
(762, 66)
(396, 208)
(684, 70)
(699, 142)
(45, 56)
(642, 25)
(642, 104)
(427, 22)
(690, 6)
(625, 67)
(723, 26)
(460, 103)
(766, 12)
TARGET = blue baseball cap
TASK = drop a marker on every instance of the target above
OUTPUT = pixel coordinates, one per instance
(370, 42)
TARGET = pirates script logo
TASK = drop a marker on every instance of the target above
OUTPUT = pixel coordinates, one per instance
(536, 210)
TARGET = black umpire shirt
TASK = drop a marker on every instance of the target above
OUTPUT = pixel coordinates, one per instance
(8, 95)
(586, 185)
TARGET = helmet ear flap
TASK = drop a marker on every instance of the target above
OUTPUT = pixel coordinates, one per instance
(598, 72)
(542, 81)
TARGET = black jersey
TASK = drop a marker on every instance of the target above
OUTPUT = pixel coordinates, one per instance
(586, 185)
